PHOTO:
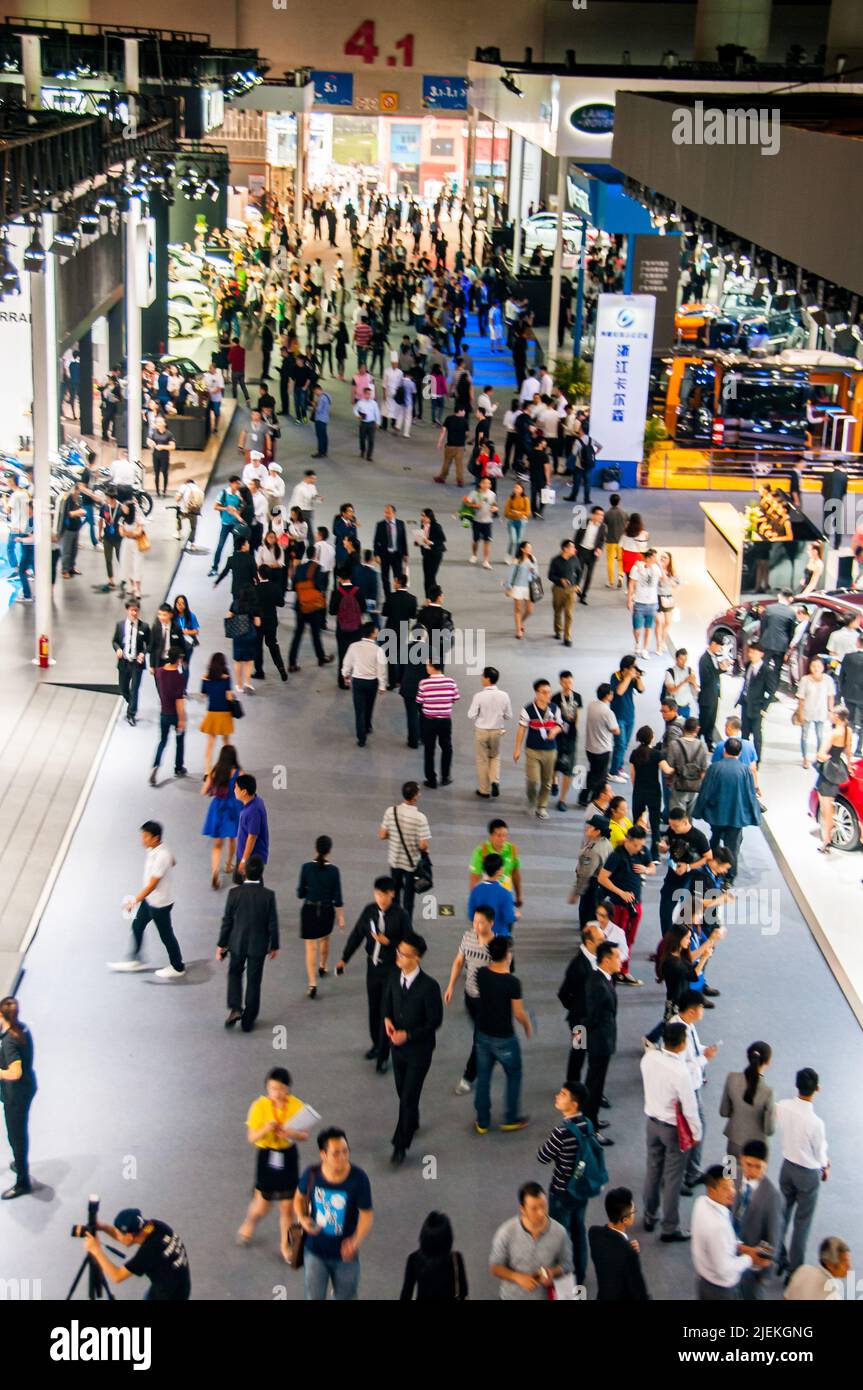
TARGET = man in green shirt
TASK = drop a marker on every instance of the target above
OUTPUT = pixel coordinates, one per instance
(498, 842)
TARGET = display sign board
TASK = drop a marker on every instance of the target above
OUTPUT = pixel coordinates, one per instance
(656, 270)
(444, 94)
(621, 375)
(333, 88)
(16, 379)
(145, 261)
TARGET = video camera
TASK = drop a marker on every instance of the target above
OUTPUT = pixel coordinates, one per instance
(89, 1227)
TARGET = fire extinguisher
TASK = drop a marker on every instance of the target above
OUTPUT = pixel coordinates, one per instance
(43, 651)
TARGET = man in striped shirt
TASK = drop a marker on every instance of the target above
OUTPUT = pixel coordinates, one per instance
(562, 1148)
(362, 338)
(436, 696)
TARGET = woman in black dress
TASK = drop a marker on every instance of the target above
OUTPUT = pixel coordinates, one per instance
(18, 1087)
(432, 544)
(320, 888)
(435, 1271)
(645, 761)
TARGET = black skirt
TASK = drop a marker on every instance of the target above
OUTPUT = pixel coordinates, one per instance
(316, 920)
(277, 1184)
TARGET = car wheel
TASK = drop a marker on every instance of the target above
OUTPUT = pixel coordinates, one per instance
(174, 329)
(846, 826)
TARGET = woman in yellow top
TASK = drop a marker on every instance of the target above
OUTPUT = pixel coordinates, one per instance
(517, 513)
(621, 822)
(277, 1166)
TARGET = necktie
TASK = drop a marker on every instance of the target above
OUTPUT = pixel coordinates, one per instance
(745, 1198)
(130, 641)
(404, 984)
(392, 535)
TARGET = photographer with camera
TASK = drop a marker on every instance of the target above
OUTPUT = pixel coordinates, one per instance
(160, 1255)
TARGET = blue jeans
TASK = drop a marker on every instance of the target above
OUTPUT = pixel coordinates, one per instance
(514, 529)
(625, 723)
(570, 1213)
(818, 726)
(488, 1051)
(322, 437)
(225, 532)
(344, 1275)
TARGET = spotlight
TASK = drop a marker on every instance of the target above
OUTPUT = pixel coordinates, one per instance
(211, 188)
(34, 256)
(88, 222)
(65, 243)
(105, 203)
(509, 82)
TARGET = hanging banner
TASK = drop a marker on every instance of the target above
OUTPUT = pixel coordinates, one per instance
(444, 94)
(621, 375)
(16, 380)
(656, 271)
(333, 88)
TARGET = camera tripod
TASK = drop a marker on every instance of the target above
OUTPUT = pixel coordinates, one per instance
(97, 1284)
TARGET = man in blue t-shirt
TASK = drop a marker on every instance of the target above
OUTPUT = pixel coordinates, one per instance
(333, 1204)
(253, 831)
(748, 755)
(227, 505)
(624, 684)
(490, 892)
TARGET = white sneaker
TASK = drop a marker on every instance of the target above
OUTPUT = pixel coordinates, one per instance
(542, 815)
(169, 973)
(250, 690)
(618, 777)
(463, 1088)
(472, 560)
(486, 564)
(127, 965)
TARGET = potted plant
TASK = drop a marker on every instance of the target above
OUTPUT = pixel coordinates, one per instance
(572, 376)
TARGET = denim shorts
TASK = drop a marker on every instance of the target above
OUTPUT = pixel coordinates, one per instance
(643, 615)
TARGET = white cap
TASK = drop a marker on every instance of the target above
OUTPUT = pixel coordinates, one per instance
(275, 468)
(253, 454)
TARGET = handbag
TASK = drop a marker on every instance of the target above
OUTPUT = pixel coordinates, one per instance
(237, 709)
(143, 541)
(548, 496)
(535, 588)
(237, 625)
(423, 873)
(684, 1133)
(297, 1239)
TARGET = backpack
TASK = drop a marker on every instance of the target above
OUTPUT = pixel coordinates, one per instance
(688, 776)
(195, 499)
(590, 1175)
(399, 395)
(309, 597)
(350, 615)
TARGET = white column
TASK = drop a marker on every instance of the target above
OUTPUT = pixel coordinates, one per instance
(300, 169)
(557, 264)
(134, 395)
(31, 66)
(515, 204)
(132, 76)
(471, 160)
(43, 317)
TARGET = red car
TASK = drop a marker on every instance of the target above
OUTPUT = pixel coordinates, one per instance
(848, 811)
(827, 612)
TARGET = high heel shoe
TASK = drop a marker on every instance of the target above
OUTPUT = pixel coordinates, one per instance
(214, 879)
(322, 973)
(312, 992)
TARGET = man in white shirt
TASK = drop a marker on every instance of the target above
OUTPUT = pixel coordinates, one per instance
(365, 671)
(690, 1012)
(368, 413)
(667, 1089)
(529, 389)
(214, 385)
(122, 474)
(255, 471)
(154, 904)
(545, 381)
(805, 1166)
(489, 709)
(274, 485)
(720, 1261)
(305, 495)
(485, 401)
(822, 1283)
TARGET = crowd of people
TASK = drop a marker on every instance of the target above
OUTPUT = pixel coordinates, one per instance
(646, 779)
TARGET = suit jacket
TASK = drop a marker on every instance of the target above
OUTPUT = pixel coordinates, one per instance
(366, 579)
(437, 540)
(434, 618)
(418, 1010)
(761, 1221)
(754, 694)
(710, 679)
(601, 536)
(618, 1267)
(155, 646)
(142, 642)
(851, 678)
(573, 992)
(600, 1015)
(727, 795)
(250, 926)
(381, 545)
(777, 627)
(396, 925)
(399, 607)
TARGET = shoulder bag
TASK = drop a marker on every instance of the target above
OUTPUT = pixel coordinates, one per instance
(685, 1139)
(297, 1238)
(237, 625)
(423, 872)
(535, 588)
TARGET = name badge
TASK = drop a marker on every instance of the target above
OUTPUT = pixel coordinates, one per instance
(276, 1159)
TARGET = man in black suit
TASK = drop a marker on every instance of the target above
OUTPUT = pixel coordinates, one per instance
(380, 928)
(589, 541)
(756, 1215)
(755, 695)
(601, 1026)
(710, 668)
(399, 612)
(269, 598)
(573, 996)
(390, 546)
(778, 625)
(131, 642)
(164, 634)
(250, 933)
(413, 1012)
(616, 1258)
(438, 623)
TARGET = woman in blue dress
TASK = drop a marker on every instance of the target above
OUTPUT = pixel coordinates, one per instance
(223, 813)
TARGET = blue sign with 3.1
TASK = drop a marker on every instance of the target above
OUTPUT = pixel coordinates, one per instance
(333, 88)
(444, 93)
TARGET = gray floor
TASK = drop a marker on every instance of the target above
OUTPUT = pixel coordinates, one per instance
(143, 1095)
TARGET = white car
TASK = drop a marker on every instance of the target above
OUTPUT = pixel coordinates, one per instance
(541, 230)
(193, 294)
(184, 319)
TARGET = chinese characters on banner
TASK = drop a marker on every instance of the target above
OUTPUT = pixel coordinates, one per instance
(621, 375)
(444, 94)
